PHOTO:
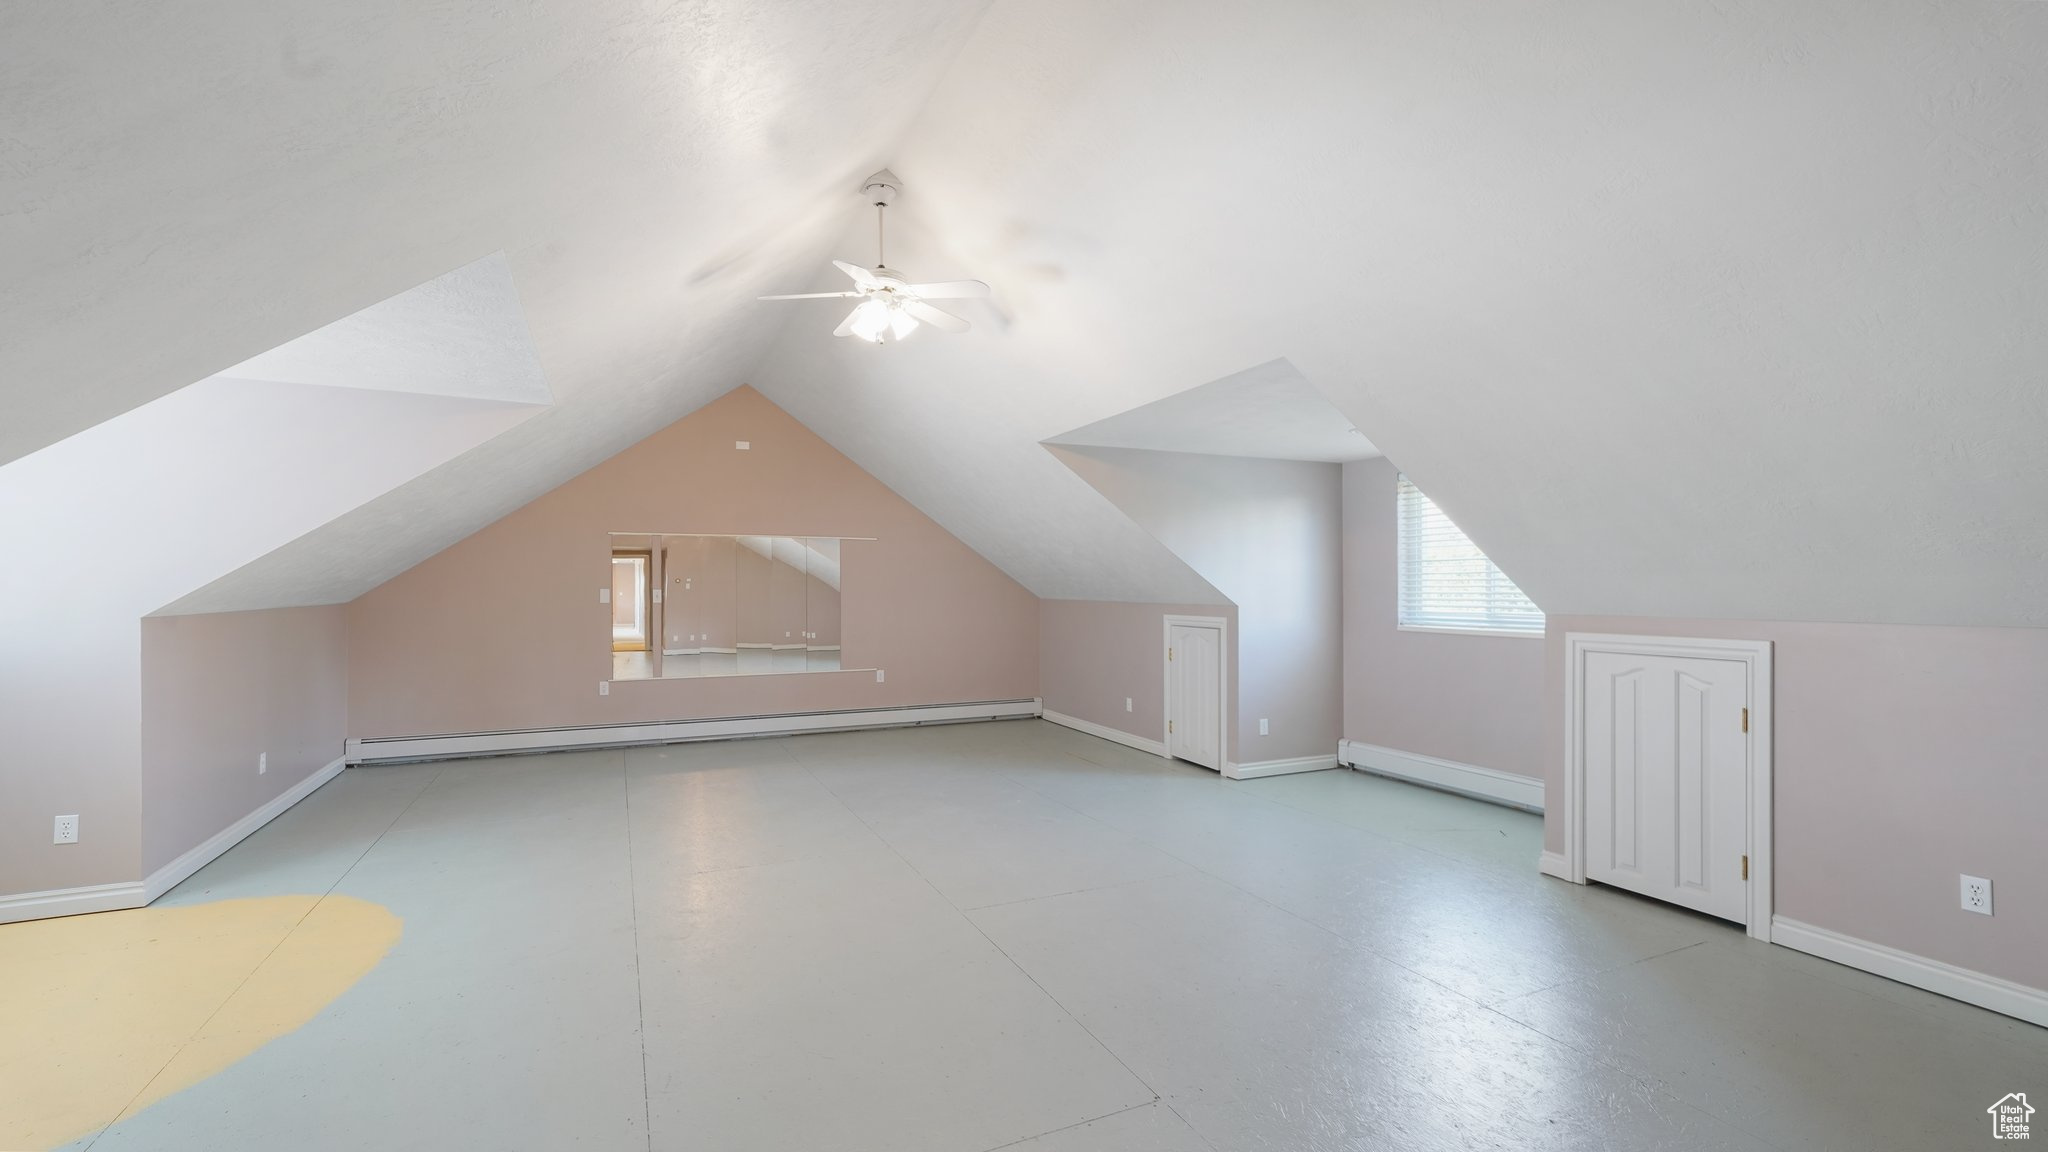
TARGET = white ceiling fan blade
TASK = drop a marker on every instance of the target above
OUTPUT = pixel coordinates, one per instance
(949, 290)
(861, 276)
(945, 321)
(809, 296)
(846, 325)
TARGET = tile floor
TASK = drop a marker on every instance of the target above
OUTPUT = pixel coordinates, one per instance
(1016, 936)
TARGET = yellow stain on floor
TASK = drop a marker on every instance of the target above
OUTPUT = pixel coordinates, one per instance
(103, 1015)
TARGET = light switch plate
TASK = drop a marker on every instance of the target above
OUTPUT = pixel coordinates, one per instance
(1262, 727)
(878, 675)
(604, 595)
(262, 763)
(1127, 703)
(604, 687)
(742, 445)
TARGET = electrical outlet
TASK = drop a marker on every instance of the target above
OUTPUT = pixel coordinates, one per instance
(742, 445)
(604, 687)
(262, 763)
(66, 831)
(1262, 727)
(878, 675)
(1127, 703)
(1977, 895)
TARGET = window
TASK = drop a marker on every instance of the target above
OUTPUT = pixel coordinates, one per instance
(1447, 582)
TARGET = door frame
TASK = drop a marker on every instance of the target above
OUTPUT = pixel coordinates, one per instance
(1222, 627)
(646, 556)
(1756, 656)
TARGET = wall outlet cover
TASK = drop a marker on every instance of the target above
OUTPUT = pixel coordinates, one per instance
(66, 830)
(604, 687)
(604, 595)
(878, 675)
(262, 763)
(1262, 727)
(1127, 703)
(1977, 895)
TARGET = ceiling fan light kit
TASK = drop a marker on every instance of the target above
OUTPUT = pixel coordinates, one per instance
(891, 306)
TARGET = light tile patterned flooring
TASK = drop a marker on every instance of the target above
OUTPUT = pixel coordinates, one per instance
(1013, 935)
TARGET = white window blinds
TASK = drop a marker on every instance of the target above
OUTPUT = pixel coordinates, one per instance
(1447, 582)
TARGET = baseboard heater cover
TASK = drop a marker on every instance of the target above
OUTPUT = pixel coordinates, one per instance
(1479, 783)
(399, 749)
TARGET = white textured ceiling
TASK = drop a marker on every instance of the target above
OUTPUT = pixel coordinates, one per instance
(1685, 309)
(461, 334)
(181, 190)
(1268, 411)
(1679, 309)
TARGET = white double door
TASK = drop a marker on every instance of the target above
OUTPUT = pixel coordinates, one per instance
(1667, 754)
(1194, 694)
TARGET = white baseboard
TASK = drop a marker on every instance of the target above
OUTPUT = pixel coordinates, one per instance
(1259, 768)
(1449, 775)
(136, 893)
(2003, 996)
(70, 901)
(386, 749)
(1554, 864)
(207, 851)
(1107, 733)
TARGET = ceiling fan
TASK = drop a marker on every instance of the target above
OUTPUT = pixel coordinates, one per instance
(891, 306)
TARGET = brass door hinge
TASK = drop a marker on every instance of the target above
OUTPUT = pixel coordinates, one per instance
(1169, 655)
(1169, 727)
(1745, 719)
(1745, 867)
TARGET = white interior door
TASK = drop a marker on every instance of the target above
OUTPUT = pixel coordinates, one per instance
(1667, 755)
(1194, 706)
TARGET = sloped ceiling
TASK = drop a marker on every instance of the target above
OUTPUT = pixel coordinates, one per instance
(1269, 412)
(184, 189)
(1679, 309)
(1684, 309)
(461, 334)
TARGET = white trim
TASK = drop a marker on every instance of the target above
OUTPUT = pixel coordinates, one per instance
(70, 901)
(175, 873)
(1553, 864)
(1443, 631)
(1259, 768)
(1489, 784)
(136, 893)
(1104, 732)
(1222, 627)
(390, 748)
(1756, 654)
(2003, 996)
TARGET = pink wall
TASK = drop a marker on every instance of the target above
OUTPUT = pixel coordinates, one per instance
(217, 691)
(1473, 699)
(1904, 756)
(1093, 654)
(503, 630)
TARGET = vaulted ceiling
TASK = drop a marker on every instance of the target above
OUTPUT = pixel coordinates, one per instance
(1685, 309)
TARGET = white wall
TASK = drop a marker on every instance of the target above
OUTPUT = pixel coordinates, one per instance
(1473, 699)
(157, 502)
(1265, 533)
